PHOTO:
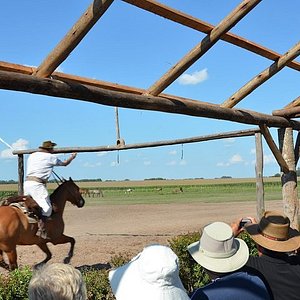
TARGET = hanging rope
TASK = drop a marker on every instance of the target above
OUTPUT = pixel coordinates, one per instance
(181, 151)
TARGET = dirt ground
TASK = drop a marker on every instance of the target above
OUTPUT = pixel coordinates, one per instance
(106, 230)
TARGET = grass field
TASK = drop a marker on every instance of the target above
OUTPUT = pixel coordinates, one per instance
(171, 191)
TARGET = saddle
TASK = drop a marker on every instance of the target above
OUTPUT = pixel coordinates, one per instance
(27, 205)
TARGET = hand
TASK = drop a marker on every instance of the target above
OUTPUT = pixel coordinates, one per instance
(73, 155)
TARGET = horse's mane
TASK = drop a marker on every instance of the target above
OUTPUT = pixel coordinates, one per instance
(53, 195)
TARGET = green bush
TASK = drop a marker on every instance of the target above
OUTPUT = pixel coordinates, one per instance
(191, 273)
(97, 284)
(14, 286)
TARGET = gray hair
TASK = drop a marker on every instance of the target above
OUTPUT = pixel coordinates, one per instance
(57, 281)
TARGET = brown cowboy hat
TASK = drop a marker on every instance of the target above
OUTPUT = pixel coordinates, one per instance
(47, 145)
(273, 232)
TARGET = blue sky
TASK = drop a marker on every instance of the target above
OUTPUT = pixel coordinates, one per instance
(132, 47)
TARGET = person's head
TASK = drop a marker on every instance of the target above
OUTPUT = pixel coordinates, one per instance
(152, 274)
(57, 281)
(218, 251)
(274, 234)
(47, 146)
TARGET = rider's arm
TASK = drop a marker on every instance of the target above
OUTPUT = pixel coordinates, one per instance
(67, 161)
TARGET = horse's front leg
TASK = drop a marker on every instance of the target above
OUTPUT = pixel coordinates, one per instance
(3, 264)
(46, 250)
(12, 259)
(63, 239)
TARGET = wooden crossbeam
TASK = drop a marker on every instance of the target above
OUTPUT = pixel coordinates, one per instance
(292, 112)
(196, 139)
(71, 90)
(262, 77)
(276, 152)
(73, 37)
(199, 50)
(294, 103)
(199, 25)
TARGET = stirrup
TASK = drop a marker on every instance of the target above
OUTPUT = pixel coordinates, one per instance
(42, 234)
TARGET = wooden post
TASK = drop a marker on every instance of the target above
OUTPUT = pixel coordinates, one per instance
(260, 205)
(289, 180)
(21, 173)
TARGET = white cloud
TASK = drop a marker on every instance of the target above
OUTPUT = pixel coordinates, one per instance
(194, 78)
(269, 159)
(235, 159)
(114, 164)
(229, 142)
(183, 162)
(147, 163)
(253, 151)
(103, 153)
(20, 144)
(173, 152)
(171, 163)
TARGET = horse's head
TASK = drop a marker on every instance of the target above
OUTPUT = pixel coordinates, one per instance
(74, 195)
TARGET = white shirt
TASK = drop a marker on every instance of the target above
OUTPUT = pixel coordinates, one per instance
(40, 164)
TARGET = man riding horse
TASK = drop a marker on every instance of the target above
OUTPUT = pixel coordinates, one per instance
(39, 167)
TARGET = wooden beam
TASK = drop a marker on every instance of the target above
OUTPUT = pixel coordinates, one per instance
(262, 77)
(21, 174)
(276, 152)
(289, 180)
(259, 166)
(287, 112)
(297, 148)
(199, 50)
(73, 37)
(199, 25)
(196, 139)
(294, 103)
(57, 88)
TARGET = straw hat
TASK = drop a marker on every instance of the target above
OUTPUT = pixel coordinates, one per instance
(274, 232)
(47, 145)
(152, 275)
(218, 250)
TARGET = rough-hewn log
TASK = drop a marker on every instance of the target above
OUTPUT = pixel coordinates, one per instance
(199, 50)
(262, 77)
(267, 135)
(73, 37)
(289, 180)
(199, 25)
(55, 88)
(291, 112)
(294, 103)
(21, 173)
(297, 148)
(197, 139)
(260, 193)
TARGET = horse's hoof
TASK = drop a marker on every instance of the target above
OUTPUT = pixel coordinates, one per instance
(38, 266)
(67, 260)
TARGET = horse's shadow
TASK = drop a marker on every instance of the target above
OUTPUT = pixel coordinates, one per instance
(94, 267)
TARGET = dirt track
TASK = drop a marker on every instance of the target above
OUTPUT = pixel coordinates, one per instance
(106, 230)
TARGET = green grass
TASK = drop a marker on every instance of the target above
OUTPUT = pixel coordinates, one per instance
(212, 193)
(191, 193)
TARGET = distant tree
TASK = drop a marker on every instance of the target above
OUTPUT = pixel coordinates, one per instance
(278, 175)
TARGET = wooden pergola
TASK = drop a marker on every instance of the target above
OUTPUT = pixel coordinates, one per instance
(44, 80)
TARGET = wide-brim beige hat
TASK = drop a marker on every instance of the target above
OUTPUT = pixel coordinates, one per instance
(48, 145)
(274, 233)
(152, 275)
(218, 251)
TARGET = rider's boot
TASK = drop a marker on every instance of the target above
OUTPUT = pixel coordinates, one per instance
(41, 232)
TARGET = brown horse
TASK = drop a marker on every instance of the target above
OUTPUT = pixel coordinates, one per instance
(16, 230)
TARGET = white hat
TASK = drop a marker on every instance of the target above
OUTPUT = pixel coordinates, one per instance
(218, 250)
(152, 275)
